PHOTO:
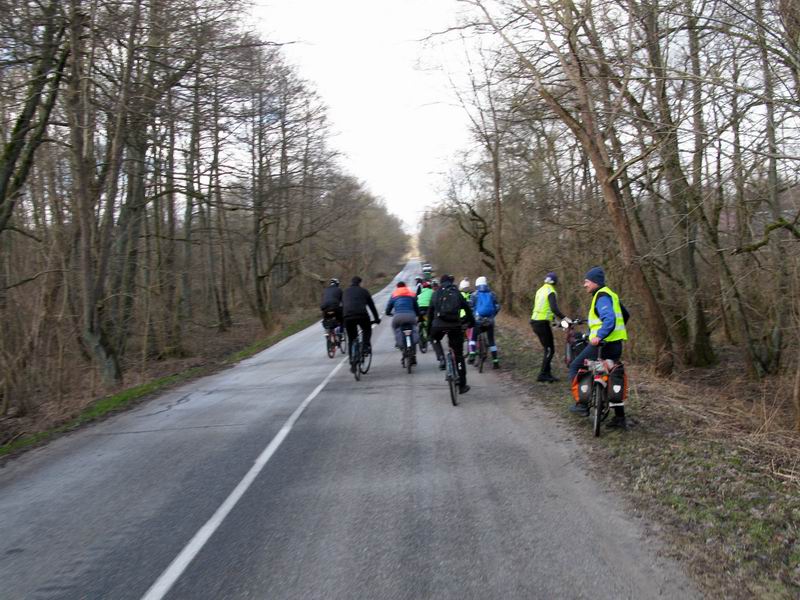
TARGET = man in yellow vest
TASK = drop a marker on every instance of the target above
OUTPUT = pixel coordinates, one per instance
(545, 307)
(607, 318)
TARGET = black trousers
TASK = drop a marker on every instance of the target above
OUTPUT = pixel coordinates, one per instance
(544, 332)
(351, 325)
(455, 337)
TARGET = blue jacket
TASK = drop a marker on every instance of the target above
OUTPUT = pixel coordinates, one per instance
(402, 301)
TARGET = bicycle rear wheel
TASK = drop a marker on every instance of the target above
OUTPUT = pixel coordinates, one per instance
(365, 362)
(452, 377)
(482, 351)
(598, 401)
(330, 342)
(355, 360)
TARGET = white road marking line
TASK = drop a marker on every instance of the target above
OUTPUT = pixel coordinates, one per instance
(176, 568)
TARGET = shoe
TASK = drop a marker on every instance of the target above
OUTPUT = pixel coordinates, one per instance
(542, 378)
(547, 378)
(496, 364)
(463, 389)
(617, 423)
(471, 358)
(413, 360)
(579, 409)
(441, 365)
(352, 367)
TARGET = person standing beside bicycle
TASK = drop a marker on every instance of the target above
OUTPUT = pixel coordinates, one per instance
(406, 314)
(607, 319)
(545, 308)
(355, 301)
(485, 308)
(444, 319)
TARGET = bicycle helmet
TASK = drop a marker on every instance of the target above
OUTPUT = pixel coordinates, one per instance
(334, 281)
(401, 284)
(551, 277)
(481, 281)
(464, 285)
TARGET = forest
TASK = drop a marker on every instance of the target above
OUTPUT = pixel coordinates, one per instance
(166, 177)
(656, 138)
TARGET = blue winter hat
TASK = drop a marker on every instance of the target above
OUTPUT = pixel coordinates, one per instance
(597, 275)
(551, 277)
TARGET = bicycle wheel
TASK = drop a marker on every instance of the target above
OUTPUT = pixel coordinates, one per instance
(407, 360)
(598, 402)
(355, 360)
(365, 362)
(331, 345)
(482, 351)
(342, 344)
(452, 378)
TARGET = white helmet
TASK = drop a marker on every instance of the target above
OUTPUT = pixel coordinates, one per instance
(464, 285)
(481, 281)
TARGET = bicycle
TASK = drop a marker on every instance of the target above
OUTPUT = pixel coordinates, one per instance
(599, 406)
(409, 359)
(423, 335)
(334, 337)
(482, 343)
(451, 374)
(599, 369)
(360, 361)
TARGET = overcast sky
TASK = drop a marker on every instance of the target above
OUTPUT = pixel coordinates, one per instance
(393, 114)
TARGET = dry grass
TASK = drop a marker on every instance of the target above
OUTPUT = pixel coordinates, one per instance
(711, 456)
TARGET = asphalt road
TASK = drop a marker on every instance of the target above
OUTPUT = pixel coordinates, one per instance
(371, 489)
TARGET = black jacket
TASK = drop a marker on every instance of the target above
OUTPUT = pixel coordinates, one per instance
(355, 301)
(331, 297)
(469, 318)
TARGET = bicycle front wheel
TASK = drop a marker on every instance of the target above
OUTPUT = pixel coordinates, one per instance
(482, 352)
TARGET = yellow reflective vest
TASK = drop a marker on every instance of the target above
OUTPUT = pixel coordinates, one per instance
(541, 305)
(595, 323)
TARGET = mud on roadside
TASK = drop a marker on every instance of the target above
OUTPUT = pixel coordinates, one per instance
(722, 489)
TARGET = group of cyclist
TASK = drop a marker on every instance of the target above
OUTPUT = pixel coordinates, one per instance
(444, 309)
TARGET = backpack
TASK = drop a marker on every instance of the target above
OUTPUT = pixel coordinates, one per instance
(484, 304)
(449, 305)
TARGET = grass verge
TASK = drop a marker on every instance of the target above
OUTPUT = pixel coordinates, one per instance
(721, 498)
(131, 396)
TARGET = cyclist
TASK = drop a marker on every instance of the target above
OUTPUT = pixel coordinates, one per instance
(406, 313)
(607, 318)
(545, 307)
(485, 308)
(424, 301)
(355, 301)
(417, 285)
(332, 301)
(443, 318)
